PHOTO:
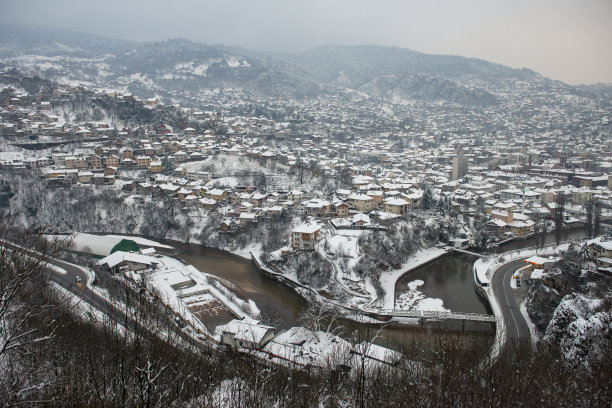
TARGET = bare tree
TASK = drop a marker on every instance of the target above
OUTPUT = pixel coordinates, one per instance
(559, 213)
(24, 259)
(596, 217)
(323, 318)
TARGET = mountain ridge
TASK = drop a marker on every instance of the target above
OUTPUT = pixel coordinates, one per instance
(181, 65)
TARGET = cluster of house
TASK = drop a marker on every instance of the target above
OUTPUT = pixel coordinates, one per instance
(598, 251)
(512, 181)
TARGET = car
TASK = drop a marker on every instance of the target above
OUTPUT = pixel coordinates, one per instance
(78, 280)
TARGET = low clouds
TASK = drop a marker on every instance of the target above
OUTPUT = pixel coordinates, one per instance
(568, 40)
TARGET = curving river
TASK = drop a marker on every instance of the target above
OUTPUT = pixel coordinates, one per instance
(448, 278)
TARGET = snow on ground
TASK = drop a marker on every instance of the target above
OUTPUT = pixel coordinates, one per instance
(84, 309)
(579, 324)
(513, 282)
(351, 232)
(532, 328)
(414, 299)
(538, 274)
(227, 182)
(485, 266)
(141, 241)
(185, 289)
(57, 269)
(301, 346)
(255, 248)
(304, 347)
(239, 164)
(342, 246)
(389, 279)
(103, 244)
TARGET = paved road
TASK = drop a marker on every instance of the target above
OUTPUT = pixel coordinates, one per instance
(516, 327)
(68, 280)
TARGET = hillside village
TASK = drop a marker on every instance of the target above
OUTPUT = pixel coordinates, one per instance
(511, 182)
(315, 220)
(319, 185)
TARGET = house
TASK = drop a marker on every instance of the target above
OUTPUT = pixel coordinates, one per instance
(111, 161)
(182, 193)
(520, 228)
(343, 194)
(85, 176)
(414, 199)
(156, 167)
(98, 179)
(121, 261)
(505, 216)
(229, 224)
(75, 162)
(179, 156)
(295, 196)
(245, 333)
(602, 253)
(342, 210)
(247, 219)
(207, 203)
(497, 226)
(127, 154)
(166, 189)
(257, 199)
(521, 224)
(376, 195)
(362, 202)
(143, 162)
(243, 207)
(203, 176)
(360, 220)
(396, 206)
(305, 236)
(216, 194)
(538, 262)
(180, 172)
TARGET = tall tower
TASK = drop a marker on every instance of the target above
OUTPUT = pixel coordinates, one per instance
(460, 167)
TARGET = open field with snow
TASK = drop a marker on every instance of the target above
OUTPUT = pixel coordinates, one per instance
(103, 244)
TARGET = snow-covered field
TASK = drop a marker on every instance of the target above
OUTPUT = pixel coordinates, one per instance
(244, 170)
(103, 244)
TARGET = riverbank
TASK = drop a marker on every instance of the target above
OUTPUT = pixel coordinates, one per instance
(388, 279)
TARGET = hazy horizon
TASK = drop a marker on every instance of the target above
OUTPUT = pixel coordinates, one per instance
(567, 40)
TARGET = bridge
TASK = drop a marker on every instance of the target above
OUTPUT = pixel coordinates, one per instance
(463, 251)
(387, 314)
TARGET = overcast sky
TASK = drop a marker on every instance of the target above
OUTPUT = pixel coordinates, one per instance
(570, 40)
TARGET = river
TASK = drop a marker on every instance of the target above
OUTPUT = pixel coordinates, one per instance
(448, 278)
(279, 304)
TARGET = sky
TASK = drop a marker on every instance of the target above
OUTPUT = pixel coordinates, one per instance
(568, 40)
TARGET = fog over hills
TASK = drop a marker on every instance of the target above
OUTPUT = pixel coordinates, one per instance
(181, 67)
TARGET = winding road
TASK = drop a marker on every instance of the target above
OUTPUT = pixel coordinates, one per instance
(67, 276)
(516, 326)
